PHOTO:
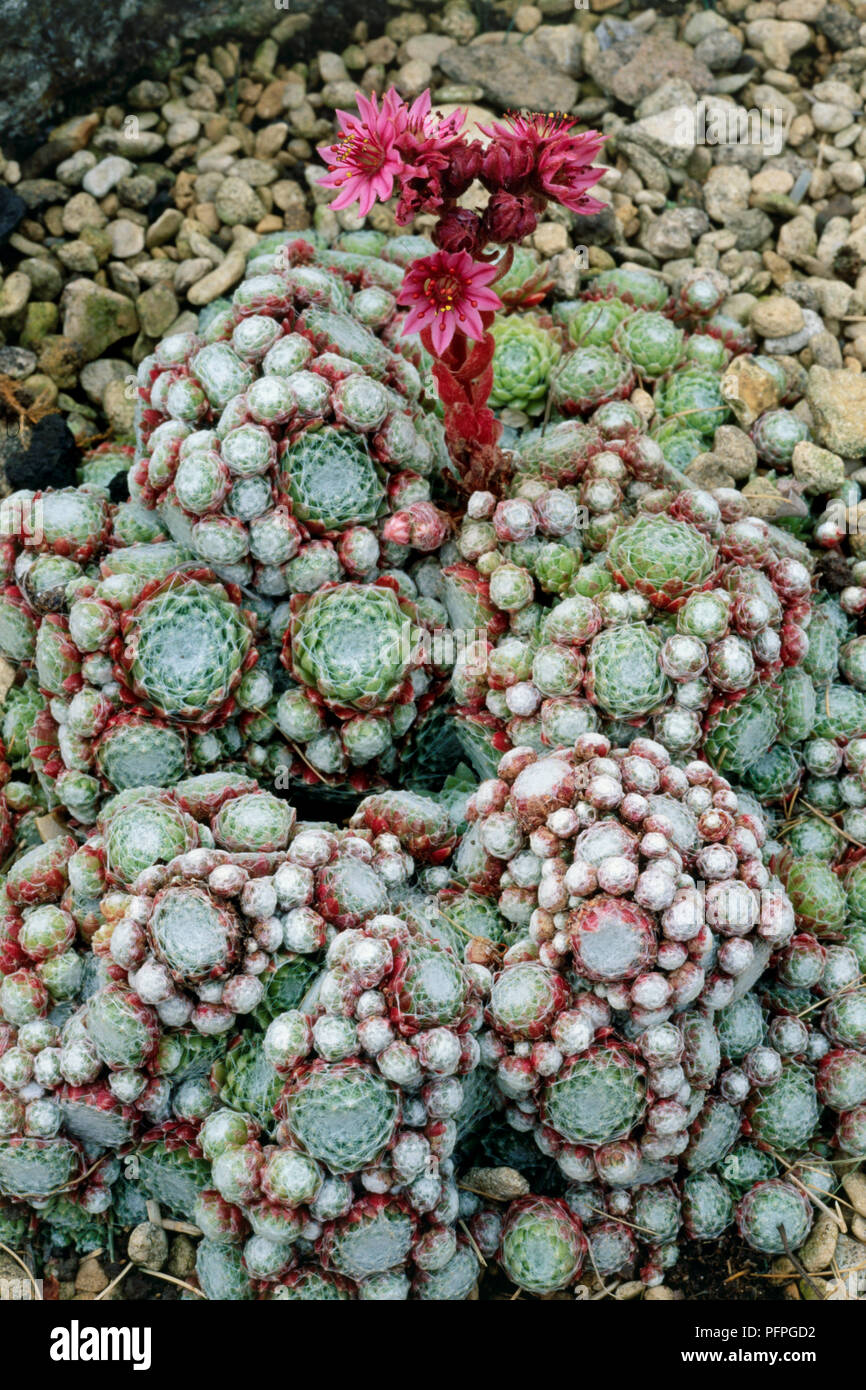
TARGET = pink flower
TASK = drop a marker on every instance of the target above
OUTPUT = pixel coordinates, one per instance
(446, 293)
(538, 155)
(563, 174)
(430, 144)
(364, 161)
(430, 128)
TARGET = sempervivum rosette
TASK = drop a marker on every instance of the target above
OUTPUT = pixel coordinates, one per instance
(186, 930)
(286, 444)
(623, 333)
(60, 1121)
(358, 1171)
(71, 523)
(146, 654)
(647, 914)
(684, 615)
(364, 667)
(422, 825)
(825, 728)
(527, 348)
(217, 907)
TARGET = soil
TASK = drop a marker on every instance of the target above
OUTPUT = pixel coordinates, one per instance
(723, 1270)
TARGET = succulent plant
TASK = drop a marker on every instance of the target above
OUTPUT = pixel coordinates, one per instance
(526, 352)
(588, 377)
(542, 1247)
(776, 434)
(287, 419)
(368, 1083)
(675, 616)
(601, 1017)
(605, 966)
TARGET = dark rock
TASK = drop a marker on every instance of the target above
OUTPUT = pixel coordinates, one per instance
(839, 26)
(751, 226)
(157, 206)
(510, 78)
(12, 209)
(48, 156)
(48, 457)
(49, 50)
(41, 193)
(840, 205)
(118, 488)
(637, 66)
(847, 265)
(597, 230)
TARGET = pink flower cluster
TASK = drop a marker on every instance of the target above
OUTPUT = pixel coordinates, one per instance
(530, 160)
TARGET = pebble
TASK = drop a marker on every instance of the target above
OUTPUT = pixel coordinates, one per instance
(157, 308)
(777, 317)
(830, 117)
(855, 1190)
(14, 294)
(748, 389)
(527, 18)
(511, 78)
(219, 281)
(94, 317)
(788, 345)
(100, 180)
(165, 228)
(148, 1245)
(147, 95)
(738, 455)
(819, 1248)
(72, 170)
(82, 211)
(779, 39)
(91, 1278)
(16, 362)
(848, 174)
(797, 240)
(720, 50)
(819, 470)
(127, 238)
(413, 77)
(837, 400)
(805, 10)
(79, 257)
(182, 131)
(257, 173)
(726, 191)
(189, 272)
(427, 47)
(237, 204)
(668, 236)
(95, 376)
(181, 1257)
(550, 238)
